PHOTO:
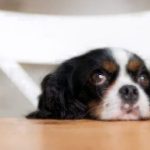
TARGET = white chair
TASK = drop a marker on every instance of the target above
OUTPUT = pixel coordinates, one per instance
(26, 38)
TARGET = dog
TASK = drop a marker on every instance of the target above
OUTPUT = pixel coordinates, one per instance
(103, 84)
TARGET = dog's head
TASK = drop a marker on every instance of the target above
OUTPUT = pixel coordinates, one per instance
(107, 84)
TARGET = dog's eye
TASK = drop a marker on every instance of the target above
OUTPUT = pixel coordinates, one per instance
(98, 78)
(143, 80)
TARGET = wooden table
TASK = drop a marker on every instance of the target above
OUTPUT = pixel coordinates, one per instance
(22, 134)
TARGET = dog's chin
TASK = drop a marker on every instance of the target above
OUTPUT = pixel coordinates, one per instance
(126, 117)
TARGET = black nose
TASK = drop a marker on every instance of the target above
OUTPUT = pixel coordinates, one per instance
(129, 94)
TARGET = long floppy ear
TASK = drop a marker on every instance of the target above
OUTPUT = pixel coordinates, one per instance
(57, 99)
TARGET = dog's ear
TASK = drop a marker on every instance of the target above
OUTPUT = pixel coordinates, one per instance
(57, 99)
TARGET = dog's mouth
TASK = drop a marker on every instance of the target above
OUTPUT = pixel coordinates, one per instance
(122, 112)
(129, 112)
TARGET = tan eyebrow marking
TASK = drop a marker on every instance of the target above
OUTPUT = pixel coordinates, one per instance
(134, 64)
(109, 66)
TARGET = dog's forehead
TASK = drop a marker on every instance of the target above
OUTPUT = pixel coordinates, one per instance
(126, 59)
(121, 56)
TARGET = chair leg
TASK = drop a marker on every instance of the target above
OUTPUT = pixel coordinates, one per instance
(21, 79)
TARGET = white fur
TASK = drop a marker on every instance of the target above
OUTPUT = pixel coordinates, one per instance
(111, 108)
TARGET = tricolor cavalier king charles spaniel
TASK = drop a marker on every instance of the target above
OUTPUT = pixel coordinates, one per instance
(103, 84)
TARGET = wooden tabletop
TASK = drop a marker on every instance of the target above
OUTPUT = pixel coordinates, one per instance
(22, 134)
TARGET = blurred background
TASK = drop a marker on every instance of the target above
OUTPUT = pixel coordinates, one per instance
(13, 102)
(75, 7)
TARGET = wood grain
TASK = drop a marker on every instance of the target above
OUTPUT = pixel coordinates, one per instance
(22, 134)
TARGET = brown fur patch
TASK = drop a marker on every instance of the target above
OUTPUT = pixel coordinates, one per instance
(95, 109)
(109, 66)
(134, 64)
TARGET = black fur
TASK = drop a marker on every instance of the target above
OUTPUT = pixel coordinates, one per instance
(67, 92)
